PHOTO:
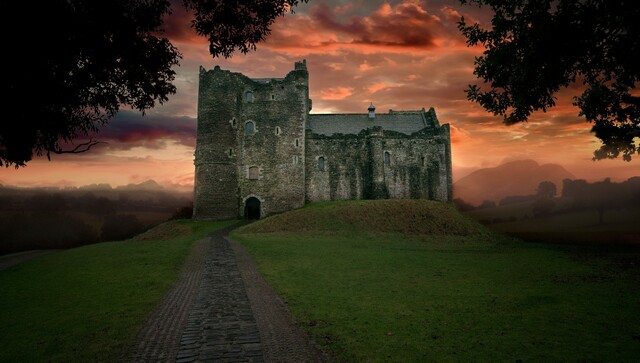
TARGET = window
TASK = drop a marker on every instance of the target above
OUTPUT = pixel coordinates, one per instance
(321, 163)
(273, 97)
(249, 96)
(278, 130)
(230, 152)
(387, 158)
(423, 161)
(254, 172)
(295, 159)
(249, 128)
(297, 142)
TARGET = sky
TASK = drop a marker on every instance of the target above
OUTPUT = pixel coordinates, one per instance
(401, 55)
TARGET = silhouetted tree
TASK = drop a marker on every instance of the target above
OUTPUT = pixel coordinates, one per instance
(72, 64)
(547, 190)
(534, 48)
(462, 206)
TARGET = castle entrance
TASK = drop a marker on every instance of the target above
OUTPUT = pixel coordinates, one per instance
(252, 208)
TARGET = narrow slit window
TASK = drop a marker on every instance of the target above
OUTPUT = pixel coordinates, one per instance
(230, 151)
(422, 161)
(297, 142)
(278, 130)
(321, 163)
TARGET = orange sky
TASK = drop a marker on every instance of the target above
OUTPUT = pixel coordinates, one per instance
(399, 55)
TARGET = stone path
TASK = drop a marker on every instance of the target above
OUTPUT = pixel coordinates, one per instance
(222, 310)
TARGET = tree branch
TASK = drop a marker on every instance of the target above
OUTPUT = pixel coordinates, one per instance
(80, 148)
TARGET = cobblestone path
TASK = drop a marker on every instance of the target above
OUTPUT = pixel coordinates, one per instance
(222, 310)
(220, 326)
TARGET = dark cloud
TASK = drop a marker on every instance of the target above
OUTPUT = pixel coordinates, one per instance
(406, 25)
(129, 129)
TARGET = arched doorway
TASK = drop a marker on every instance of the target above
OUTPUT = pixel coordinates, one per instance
(252, 208)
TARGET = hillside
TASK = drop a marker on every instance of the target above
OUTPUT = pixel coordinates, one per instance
(520, 177)
(418, 217)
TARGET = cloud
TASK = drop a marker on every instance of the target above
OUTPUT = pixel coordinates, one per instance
(129, 129)
(336, 93)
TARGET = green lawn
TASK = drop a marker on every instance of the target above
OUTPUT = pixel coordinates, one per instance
(86, 304)
(389, 297)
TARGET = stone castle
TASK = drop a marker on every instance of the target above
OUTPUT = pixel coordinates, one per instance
(259, 151)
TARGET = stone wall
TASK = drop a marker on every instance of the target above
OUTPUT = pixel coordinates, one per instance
(355, 166)
(226, 152)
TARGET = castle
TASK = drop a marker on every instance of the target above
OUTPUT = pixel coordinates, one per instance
(259, 151)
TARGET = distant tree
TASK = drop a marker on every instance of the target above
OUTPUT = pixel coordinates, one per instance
(74, 63)
(462, 206)
(546, 190)
(534, 48)
(603, 195)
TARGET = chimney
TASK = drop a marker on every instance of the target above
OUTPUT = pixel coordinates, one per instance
(372, 111)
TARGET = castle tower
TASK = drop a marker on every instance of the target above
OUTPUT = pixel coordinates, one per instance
(250, 144)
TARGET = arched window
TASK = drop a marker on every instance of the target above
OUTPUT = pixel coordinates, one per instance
(233, 122)
(254, 172)
(249, 96)
(321, 163)
(387, 158)
(249, 128)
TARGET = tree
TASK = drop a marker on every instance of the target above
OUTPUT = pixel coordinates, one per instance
(534, 48)
(89, 58)
(546, 190)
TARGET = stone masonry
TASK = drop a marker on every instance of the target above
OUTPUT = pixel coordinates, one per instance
(259, 151)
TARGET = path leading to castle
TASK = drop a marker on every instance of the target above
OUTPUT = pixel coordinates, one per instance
(222, 309)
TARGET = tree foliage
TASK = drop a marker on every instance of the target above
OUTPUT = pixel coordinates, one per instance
(90, 58)
(546, 190)
(536, 47)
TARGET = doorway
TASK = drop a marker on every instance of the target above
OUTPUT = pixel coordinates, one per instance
(252, 208)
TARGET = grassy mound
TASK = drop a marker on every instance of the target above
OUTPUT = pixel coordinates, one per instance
(414, 217)
(164, 231)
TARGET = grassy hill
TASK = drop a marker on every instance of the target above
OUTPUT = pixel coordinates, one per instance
(407, 217)
(416, 281)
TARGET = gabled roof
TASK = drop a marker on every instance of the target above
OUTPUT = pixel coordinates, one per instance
(406, 122)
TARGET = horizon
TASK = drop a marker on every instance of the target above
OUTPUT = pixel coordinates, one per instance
(401, 55)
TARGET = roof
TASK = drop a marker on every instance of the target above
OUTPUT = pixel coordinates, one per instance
(406, 122)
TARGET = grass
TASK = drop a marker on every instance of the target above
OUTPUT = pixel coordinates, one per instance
(565, 226)
(380, 294)
(87, 303)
